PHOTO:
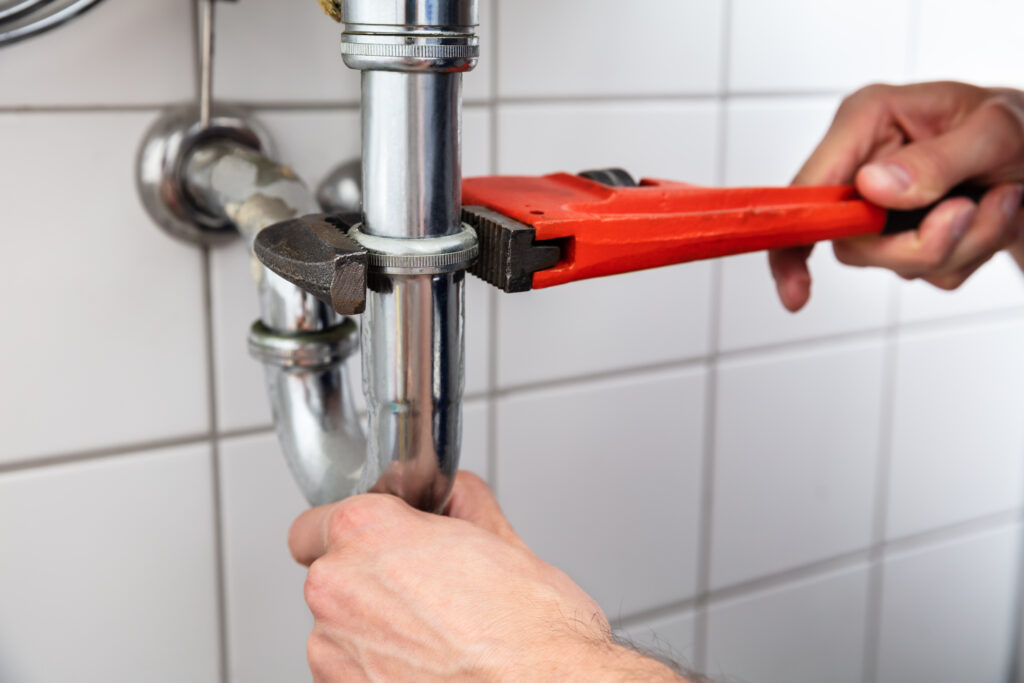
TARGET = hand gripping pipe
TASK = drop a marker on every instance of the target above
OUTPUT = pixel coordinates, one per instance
(412, 54)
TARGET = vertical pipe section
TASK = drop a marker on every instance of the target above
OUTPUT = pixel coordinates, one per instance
(412, 330)
(412, 152)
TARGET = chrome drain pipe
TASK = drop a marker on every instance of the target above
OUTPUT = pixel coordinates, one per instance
(301, 342)
(412, 55)
(205, 184)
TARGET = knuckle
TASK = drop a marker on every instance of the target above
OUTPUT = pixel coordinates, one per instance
(1002, 115)
(930, 257)
(317, 588)
(352, 514)
(868, 93)
(847, 254)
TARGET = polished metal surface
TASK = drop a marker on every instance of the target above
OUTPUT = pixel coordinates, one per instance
(386, 15)
(341, 190)
(218, 176)
(412, 54)
(165, 146)
(20, 19)
(205, 17)
(398, 256)
(413, 374)
(302, 343)
(317, 425)
(251, 192)
(412, 175)
(315, 253)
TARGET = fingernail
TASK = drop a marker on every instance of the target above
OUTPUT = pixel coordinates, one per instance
(962, 221)
(1011, 201)
(888, 177)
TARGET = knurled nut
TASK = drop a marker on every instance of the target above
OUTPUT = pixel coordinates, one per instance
(414, 51)
(423, 256)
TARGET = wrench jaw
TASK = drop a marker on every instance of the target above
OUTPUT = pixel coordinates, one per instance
(316, 254)
(509, 251)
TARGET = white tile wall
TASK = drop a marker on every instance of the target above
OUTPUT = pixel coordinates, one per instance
(122, 52)
(948, 611)
(576, 48)
(108, 571)
(956, 417)
(808, 45)
(259, 502)
(794, 476)
(603, 475)
(102, 350)
(805, 632)
(593, 482)
(990, 51)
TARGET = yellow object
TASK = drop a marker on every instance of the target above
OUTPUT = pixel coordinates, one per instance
(332, 7)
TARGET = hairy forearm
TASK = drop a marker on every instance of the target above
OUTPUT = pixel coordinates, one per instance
(602, 662)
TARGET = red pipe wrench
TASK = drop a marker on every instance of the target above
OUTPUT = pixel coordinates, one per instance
(549, 230)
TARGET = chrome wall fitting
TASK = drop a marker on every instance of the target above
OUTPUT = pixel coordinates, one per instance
(160, 167)
(208, 184)
(20, 19)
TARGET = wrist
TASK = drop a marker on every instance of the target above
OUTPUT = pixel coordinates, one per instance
(582, 659)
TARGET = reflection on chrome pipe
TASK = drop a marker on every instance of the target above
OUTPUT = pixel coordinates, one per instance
(413, 343)
(253, 192)
(412, 55)
(302, 343)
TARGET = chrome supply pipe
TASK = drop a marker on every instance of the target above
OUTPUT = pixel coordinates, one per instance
(412, 55)
(302, 343)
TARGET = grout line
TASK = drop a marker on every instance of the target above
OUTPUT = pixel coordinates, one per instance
(220, 560)
(835, 564)
(493, 301)
(59, 459)
(640, 98)
(932, 537)
(883, 464)
(353, 105)
(1017, 628)
(952, 324)
(707, 499)
(211, 389)
(245, 431)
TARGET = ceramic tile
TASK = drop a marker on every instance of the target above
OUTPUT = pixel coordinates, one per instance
(810, 631)
(268, 621)
(768, 139)
(656, 139)
(302, 62)
(271, 51)
(121, 52)
(948, 612)
(998, 285)
(805, 45)
(796, 445)
(474, 439)
(617, 502)
(587, 48)
(109, 345)
(109, 571)
(990, 49)
(957, 440)
(843, 300)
